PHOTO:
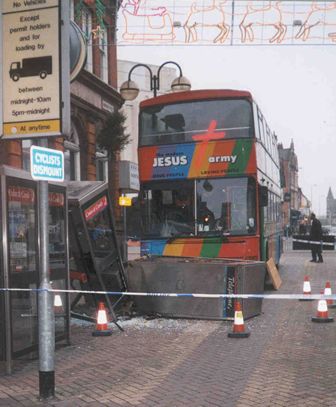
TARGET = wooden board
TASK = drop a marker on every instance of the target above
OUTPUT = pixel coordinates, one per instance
(273, 273)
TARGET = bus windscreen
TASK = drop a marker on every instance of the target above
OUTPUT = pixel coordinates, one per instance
(189, 122)
(224, 206)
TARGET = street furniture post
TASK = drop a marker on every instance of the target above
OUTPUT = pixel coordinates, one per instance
(46, 317)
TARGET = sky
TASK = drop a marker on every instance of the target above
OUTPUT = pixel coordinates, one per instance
(294, 86)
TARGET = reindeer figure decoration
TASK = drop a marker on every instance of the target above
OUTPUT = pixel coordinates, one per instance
(270, 15)
(212, 16)
(318, 16)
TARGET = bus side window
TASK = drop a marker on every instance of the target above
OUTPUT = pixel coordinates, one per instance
(264, 137)
(263, 196)
(274, 147)
(268, 136)
(260, 129)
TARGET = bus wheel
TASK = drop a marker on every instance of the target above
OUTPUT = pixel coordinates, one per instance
(43, 74)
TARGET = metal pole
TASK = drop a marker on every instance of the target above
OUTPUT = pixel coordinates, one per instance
(125, 235)
(46, 317)
(7, 302)
(155, 85)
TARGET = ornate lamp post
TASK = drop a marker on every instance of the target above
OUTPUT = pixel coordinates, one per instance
(129, 90)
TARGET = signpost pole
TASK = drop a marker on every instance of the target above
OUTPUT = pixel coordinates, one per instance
(125, 235)
(46, 317)
(125, 201)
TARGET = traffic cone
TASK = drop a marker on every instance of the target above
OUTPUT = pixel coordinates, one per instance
(327, 291)
(101, 325)
(238, 328)
(306, 289)
(322, 312)
(58, 306)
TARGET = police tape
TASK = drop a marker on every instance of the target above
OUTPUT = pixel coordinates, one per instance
(185, 295)
(313, 242)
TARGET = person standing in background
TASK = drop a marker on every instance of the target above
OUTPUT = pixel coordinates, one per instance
(316, 239)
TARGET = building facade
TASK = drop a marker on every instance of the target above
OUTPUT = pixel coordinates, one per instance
(291, 193)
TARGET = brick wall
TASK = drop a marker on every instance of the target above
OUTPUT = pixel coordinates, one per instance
(11, 153)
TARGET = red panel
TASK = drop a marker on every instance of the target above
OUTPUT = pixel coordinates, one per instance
(196, 95)
(251, 165)
(241, 248)
(146, 159)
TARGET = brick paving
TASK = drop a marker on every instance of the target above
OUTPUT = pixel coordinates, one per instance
(287, 361)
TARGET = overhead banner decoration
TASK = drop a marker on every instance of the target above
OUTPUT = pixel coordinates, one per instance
(226, 22)
(31, 69)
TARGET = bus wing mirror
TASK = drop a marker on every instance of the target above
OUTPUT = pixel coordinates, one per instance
(263, 196)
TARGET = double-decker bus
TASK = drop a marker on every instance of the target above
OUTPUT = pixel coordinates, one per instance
(209, 177)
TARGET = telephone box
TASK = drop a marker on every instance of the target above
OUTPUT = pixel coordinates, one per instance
(19, 267)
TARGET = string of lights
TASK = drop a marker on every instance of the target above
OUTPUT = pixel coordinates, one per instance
(207, 22)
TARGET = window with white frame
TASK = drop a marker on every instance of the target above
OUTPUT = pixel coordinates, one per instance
(103, 52)
(87, 30)
(26, 144)
(72, 156)
(101, 165)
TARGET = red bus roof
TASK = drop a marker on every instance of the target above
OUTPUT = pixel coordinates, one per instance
(196, 95)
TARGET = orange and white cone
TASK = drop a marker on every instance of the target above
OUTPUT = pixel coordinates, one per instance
(238, 328)
(322, 312)
(327, 291)
(306, 289)
(101, 325)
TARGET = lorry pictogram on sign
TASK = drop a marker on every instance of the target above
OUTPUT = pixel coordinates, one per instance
(37, 66)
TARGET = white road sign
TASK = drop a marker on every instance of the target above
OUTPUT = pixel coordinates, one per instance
(46, 164)
(31, 68)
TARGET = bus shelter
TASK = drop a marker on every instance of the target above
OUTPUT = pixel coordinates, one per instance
(95, 260)
(19, 267)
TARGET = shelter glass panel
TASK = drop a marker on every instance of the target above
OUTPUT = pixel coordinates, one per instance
(22, 264)
(99, 223)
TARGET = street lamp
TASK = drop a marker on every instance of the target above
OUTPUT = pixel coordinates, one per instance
(129, 90)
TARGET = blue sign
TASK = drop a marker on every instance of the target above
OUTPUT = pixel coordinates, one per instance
(46, 164)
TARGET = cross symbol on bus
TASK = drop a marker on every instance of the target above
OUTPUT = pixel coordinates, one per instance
(205, 138)
(210, 134)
